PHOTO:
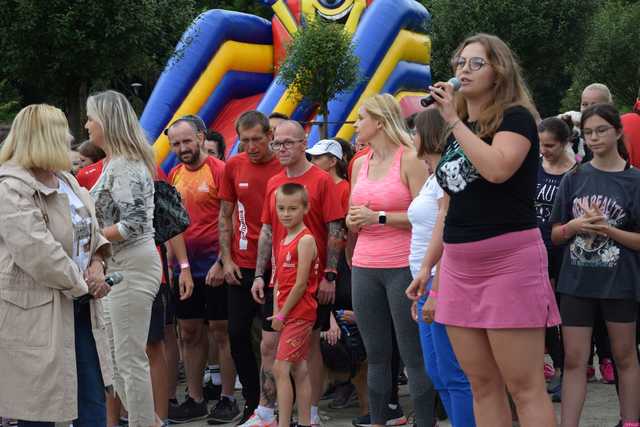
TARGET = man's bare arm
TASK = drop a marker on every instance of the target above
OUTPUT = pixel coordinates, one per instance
(264, 249)
(225, 224)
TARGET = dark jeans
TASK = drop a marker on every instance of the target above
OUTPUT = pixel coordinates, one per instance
(242, 310)
(92, 410)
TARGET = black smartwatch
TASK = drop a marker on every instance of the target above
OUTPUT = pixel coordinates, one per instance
(382, 217)
(330, 276)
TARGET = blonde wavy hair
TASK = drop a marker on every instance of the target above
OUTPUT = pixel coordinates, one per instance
(385, 109)
(39, 138)
(510, 89)
(123, 134)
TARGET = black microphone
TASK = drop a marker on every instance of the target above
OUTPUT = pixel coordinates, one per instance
(111, 280)
(428, 100)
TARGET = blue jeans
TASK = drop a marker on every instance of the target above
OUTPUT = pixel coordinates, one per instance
(92, 409)
(445, 372)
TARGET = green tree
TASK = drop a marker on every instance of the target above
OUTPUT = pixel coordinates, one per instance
(9, 103)
(57, 51)
(546, 35)
(254, 7)
(320, 64)
(611, 55)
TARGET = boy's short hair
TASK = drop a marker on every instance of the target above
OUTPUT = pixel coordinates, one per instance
(292, 189)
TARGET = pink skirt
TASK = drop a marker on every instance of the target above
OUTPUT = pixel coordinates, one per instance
(497, 283)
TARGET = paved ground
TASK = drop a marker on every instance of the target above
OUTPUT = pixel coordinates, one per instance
(601, 409)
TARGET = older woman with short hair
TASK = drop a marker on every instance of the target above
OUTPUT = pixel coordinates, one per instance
(51, 253)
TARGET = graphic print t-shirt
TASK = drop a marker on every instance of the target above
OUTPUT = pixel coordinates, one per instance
(81, 222)
(244, 184)
(546, 190)
(199, 191)
(478, 208)
(597, 266)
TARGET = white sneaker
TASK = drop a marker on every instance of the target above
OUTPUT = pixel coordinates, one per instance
(256, 421)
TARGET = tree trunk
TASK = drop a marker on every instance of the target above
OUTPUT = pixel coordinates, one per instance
(324, 127)
(76, 106)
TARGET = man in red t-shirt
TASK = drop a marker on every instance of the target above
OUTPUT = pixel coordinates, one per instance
(324, 220)
(242, 197)
(198, 178)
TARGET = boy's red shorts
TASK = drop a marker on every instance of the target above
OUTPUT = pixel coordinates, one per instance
(294, 341)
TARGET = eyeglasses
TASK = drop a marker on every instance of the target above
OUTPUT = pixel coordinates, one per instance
(288, 144)
(475, 63)
(600, 131)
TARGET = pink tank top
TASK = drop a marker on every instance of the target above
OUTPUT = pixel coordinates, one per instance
(382, 246)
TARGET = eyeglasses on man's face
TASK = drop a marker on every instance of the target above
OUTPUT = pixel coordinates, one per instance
(287, 144)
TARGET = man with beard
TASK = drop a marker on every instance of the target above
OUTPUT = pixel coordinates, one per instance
(198, 178)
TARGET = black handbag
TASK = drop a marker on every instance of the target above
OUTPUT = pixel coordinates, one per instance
(170, 218)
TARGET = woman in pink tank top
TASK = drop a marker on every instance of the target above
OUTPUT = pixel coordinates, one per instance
(384, 183)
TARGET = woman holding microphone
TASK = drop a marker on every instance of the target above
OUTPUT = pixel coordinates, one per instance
(493, 291)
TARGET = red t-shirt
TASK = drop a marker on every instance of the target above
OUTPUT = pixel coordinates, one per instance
(199, 191)
(344, 190)
(286, 274)
(631, 129)
(244, 184)
(360, 153)
(324, 207)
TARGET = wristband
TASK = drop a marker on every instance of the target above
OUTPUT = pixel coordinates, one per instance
(258, 276)
(184, 265)
(280, 317)
(433, 294)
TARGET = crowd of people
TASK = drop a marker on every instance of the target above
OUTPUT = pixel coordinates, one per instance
(456, 248)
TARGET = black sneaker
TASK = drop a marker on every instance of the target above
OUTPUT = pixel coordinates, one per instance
(345, 396)
(188, 411)
(395, 416)
(361, 421)
(398, 420)
(224, 412)
(330, 393)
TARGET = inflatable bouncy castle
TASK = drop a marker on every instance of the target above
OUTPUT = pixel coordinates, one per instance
(227, 63)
